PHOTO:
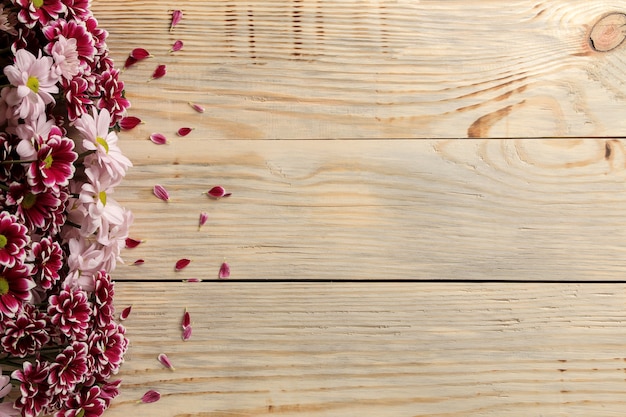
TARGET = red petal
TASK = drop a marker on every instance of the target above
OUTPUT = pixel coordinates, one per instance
(129, 122)
(218, 192)
(160, 192)
(224, 271)
(181, 264)
(139, 262)
(159, 72)
(197, 107)
(165, 361)
(130, 61)
(151, 396)
(203, 218)
(178, 45)
(176, 16)
(139, 54)
(132, 243)
(125, 313)
(158, 138)
(184, 131)
(186, 333)
(186, 319)
(192, 280)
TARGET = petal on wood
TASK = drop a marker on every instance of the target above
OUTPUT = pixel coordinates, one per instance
(159, 72)
(132, 243)
(177, 15)
(165, 361)
(139, 54)
(129, 122)
(139, 262)
(197, 107)
(184, 131)
(125, 313)
(151, 397)
(224, 271)
(177, 46)
(181, 264)
(161, 193)
(158, 138)
(218, 192)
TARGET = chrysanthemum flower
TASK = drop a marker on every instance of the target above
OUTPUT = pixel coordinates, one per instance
(107, 346)
(7, 21)
(48, 261)
(13, 240)
(76, 97)
(70, 311)
(15, 287)
(34, 396)
(65, 55)
(38, 12)
(69, 368)
(55, 163)
(112, 95)
(62, 29)
(26, 334)
(32, 84)
(36, 210)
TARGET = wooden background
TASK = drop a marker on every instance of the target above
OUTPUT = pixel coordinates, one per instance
(427, 215)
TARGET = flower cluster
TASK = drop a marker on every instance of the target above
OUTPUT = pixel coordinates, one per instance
(61, 232)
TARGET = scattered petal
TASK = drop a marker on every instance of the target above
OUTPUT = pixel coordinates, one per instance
(132, 243)
(129, 122)
(197, 107)
(139, 54)
(160, 192)
(192, 280)
(125, 313)
(177, 46)
(186, 333)
(158, 138)
(203, 219)
(224, 271)
(130, 61)
(184, 131)
(186, 320)
(151, 397)
(139, 262)
(159, 72)
(181, 264)
(165, 361)
(218, 192)
(177, 15)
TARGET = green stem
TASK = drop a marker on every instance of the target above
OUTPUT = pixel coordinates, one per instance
(17, 161)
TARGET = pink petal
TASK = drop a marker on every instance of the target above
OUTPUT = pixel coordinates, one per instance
(130, 61)
(151, 397)
(160, 192)
(177, 15)
(192, 280)
(186, 319)
(125, 313)
(218, 192)
(178, 45)
(197, 107)
(184, 131)
(139, 54)
(132, 243)
(159, 72)
(139, 262)
(158, 138)
(129, 122)
(181, 264)
(224, 271)
(186, 333)
(165, 361)
(203, 219)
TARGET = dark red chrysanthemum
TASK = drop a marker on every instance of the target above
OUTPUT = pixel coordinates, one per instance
(55, 164)
(34, 397)
(48, 262)
(87, 403)
(69, 368)
(76, 97)
(30, 15)
(72, 29)
(35, 210)
(15, 286)
(103, 299)
(13, 240)
(26, 334)
(112, 95)
(70, 311)
(107, 347)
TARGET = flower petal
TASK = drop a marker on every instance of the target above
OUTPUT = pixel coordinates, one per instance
(129, 122)
(159, 72)
(186, 322)
(197, 107)
(224, 271)
(130, 61)
(181, 264)
(218, 192)
(184, 131)
(165, 361)
(139, 262)
(203, 219)
(139, 54)
(192, 280)
(151, 397)
(177, 46)
(186, 333)
(125, 313)
(132, 243)
(177, 15)
(158, 138)
(160, 192)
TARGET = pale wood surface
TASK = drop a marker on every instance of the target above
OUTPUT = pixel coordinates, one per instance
(366, 69)
(398, 197)
(345, 349)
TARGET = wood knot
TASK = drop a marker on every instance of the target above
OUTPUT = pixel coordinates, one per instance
(608, 33)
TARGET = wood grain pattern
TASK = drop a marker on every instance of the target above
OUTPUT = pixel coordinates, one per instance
(376, 350)
(375, 69)
(370, 209)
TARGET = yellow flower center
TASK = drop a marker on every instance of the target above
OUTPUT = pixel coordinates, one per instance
(48, 161)
(3, 241)
(29, 201)
(103, 197)
(4, 285)
(103, 143)
(33, 84)
(38, 3)
(81, 413)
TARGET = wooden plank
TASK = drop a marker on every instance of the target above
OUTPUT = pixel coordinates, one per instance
(377, 69)
(397, 350)
(380, 209)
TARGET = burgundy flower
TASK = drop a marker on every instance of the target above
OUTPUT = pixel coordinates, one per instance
(110, 390)
(69, 368)
(15, 286)
(48, 262)
(78, 9)
(13, 240)
(103, 299)
(76, 97)
(72, 29)
(35, 210)
(89, 402)
(112, 95)
(34, 397)
(55, 163)
(26, 334)
(70, 311)
(30, 15)
(107, 347)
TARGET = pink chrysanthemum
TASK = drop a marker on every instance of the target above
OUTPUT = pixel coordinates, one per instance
(26, 334)
(15, 287)
(38, 12)
(70, 311)
(65, 55)
(72, 29)
(69, 368)
(34, 398)
(13, 240)
(32, 85)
